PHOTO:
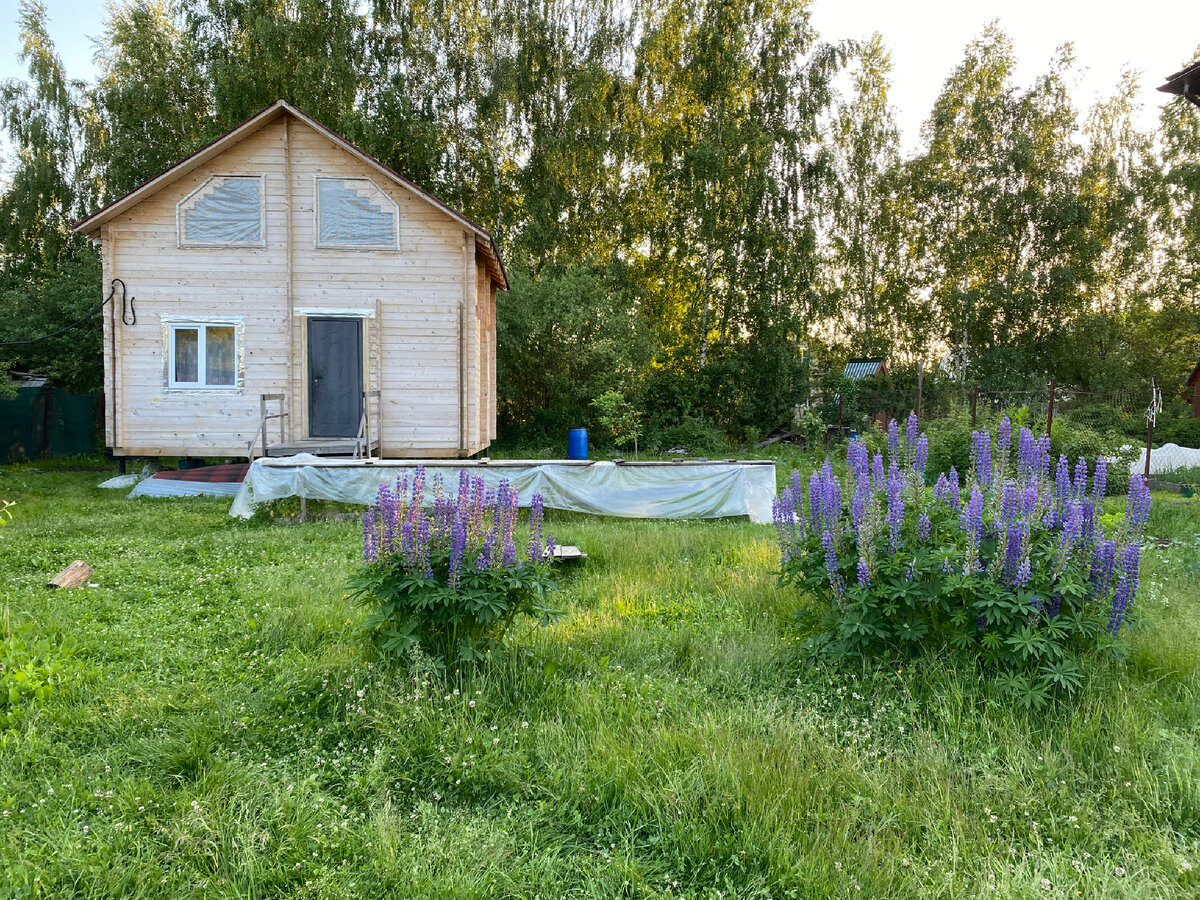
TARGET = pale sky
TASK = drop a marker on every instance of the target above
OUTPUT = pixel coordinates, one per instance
(926, 39)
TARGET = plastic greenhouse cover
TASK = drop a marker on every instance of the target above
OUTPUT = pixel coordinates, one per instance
(229, 211)
(667, 491)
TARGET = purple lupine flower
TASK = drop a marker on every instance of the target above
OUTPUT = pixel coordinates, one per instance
(1087, 512)
(386, 504)
(1137, 505)
(1127, 585)
(1055, 605)
(408, 542)
(864, 574)
(1016, 554)
(831, 564)
(1043, 466)
(941, 489)
(1009, 504)
(370, 553)
(1027, 456)
(858, 458)
(895, 506)
(464, 489)
(1004, 440)
(1099, 480)
(484, 560)
(781, 515)
(418, 487)
(458, 544)
(537, 513)
(1079, 488)
(878, 480)
(1104, 559)
(858, 506)
(923, 527)
(423, 548)
(1029, 500)
(955, 500)
(1070, 537)
(922, 455)
(1062, 484)
(550, 545)
(971, 520)
(910, 438)
(893, 441)
(981, 456)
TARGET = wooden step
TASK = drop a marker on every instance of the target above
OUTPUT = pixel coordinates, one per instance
(323, 447)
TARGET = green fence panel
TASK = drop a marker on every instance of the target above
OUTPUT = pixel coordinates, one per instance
(71, 424)
(45, 422)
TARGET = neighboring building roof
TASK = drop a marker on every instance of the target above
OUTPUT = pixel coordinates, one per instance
(90, 225)
(864, 368)
(1195, 376)
(1185, 82)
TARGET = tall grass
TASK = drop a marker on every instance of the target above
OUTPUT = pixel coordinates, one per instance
(223, 731)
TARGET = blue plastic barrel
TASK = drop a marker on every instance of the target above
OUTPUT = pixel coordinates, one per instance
(577, 443)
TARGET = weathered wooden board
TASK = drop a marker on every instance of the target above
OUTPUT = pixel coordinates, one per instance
(73, 576)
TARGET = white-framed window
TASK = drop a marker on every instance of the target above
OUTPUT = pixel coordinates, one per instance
(225, 211)
(355, 214)
(203, 353)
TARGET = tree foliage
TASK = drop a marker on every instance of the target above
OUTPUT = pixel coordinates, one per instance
(687, 194)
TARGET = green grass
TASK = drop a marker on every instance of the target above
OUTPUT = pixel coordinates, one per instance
(222, 732)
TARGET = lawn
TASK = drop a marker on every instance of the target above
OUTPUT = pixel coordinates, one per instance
(221, 731)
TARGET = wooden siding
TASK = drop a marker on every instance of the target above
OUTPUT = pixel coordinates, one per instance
(431, 306)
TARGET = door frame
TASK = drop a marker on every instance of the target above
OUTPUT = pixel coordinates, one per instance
(308, 316)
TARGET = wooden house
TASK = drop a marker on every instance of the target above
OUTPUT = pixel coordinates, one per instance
(289, 293)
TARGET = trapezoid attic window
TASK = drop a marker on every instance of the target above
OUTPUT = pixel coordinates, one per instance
(354, 214)
(225, 211)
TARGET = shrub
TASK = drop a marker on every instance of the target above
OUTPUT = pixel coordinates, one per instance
(450, 582)
(1011, 567)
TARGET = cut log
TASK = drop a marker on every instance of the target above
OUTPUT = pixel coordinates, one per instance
(74, 575)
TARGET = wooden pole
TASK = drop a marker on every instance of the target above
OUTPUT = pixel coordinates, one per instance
(920, 378)
(1150, 423)
(1050, 408)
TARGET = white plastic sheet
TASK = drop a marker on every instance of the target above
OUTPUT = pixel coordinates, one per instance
(1165, 459)
(667, 491)
(352, 212)
(227, 210)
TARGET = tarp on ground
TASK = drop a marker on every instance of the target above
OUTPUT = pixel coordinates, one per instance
(163, 487)
(667, 491)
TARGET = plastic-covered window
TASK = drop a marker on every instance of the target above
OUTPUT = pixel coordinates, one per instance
(227, 210)
(354, 213)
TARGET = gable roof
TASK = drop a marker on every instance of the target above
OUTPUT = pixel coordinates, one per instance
(1185, 82)
(863, 368)
(90, 225)
(1195, 376)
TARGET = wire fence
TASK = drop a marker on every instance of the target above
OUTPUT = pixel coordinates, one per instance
(1123, 418)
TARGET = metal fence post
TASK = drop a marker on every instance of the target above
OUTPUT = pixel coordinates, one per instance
(1050, 408)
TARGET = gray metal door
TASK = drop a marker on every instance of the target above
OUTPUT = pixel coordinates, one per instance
(334, 377)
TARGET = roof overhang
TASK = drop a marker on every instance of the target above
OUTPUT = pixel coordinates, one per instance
(1195, 376)
(90, 226)
(1185, 83)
